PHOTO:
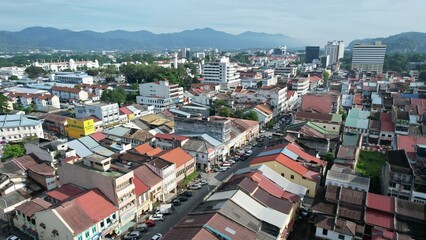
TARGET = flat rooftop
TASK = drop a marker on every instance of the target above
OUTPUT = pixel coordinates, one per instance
(113, 173)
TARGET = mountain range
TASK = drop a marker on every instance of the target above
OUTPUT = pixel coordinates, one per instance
(402, 43)
(46, 38)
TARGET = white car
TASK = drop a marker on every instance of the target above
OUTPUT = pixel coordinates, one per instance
(12, 238)
(195, 186)
(231, 160)
(133, 235)
(157, 217)
(220, 169)
(203, 182)
(157, 236)
(248, 147)
(249, 152)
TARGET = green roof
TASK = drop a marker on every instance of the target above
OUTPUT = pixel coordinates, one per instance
(337, 118)
(350, 139)
(317, 128)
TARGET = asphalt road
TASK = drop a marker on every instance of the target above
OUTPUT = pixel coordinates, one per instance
(214, 178)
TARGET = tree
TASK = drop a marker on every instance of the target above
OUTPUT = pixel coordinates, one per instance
(422, 76)
(4, 107)
(216, 105)
(13, 150)
(35, 72)
(225, 112)
(251, 115)
(13, 77)
(109, 79)
(117, 95)
(239, 113)
(329, 158)
(92, 72)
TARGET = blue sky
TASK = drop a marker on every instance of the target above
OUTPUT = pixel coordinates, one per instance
(312, 21)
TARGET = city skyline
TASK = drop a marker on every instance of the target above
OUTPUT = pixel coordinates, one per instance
(310, 22)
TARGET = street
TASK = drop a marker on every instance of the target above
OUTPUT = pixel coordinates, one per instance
(214, 179)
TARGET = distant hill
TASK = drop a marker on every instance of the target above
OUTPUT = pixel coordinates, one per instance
(52, 38)
(403, 42)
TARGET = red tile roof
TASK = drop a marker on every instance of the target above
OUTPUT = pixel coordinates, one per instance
(317, 103)
(177, 156)
(140, 187)
(125, 110)
(85, 210)
(380, 219)
(147, 176)
(387, 127)
(408, 143)
(98, 136)
(66, 89)
(385, 117)
(289, 163)
(305, 156)
(34, 206)
(170, 137)
(380, 202)
(147, 149)
(264, 109)
(267, 185)
(65, 191)
(290, 94)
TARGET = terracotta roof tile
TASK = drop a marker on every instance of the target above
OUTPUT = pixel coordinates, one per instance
(66, 89)
(147, 176)
(380, 202)
(170, 137)
(64, 192)
(317, 103)
(34, 206)
(98, 136)
(177, 156)
(140, 187)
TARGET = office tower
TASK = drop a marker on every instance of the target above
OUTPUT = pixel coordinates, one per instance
(222, 72)
(335, 49)
(368, 57)
(311, 53)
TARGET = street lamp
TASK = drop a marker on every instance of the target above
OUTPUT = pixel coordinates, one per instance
(4, 213)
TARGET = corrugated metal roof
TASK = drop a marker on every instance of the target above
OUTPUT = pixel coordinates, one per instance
(133, 109)
(221, 195)
(81, 150)
(289, 153)
(102, 151)
(17, 121)
(117, 131)
(268, 215)
(88, 142)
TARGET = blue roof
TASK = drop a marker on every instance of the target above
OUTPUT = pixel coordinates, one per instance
(88, 142)
(408, 95)
(103, 151)
(81, 150)
(117, 131)
(270, 152)
(17, 120)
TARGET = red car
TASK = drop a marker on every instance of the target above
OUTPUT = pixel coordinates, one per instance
(150, 223)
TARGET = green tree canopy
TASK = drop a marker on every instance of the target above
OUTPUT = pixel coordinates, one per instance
(92, 72)
(251, 115)
(13, 150)
(35, 72)
(116, 95)
(3, 104)
(225, 112)
(422, 76)
(13, 77)
(239, 113)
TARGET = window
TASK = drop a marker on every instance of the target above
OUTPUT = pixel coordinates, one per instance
(324, 232)
(94, 229)
(87, 234)
(292, 176)
(341, 236)
(79, 237)
(282, 174)
(102, 224)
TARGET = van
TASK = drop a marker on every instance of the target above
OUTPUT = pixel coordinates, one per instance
(142, 227)
(226, 165)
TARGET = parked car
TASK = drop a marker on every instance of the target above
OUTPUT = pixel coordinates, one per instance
(262, 131)
(133, 235)
(248, 147)
(156, 217)
(12, 237)
(183, 198)
(220, 169)
(150, 223)
(231, 160)
(176, 202)
(157, 236)
(249, 152)
(203, 182)
(187, 194)
(195, 186)
(143, 227)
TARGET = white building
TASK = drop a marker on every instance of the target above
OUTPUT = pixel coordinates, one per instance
(300, 85)
(368, 57)
(15, 128)
(70, 94)
(222, 72)
(7, 72)
(72, 65)
(41, 100)
(107, 112)
(286, 71)
(274, 95)
(161, 95)
(335, 50)
(74, 78)
(167, 171)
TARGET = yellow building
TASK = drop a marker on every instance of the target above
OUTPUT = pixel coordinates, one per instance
(286, 166)
(80, 127)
